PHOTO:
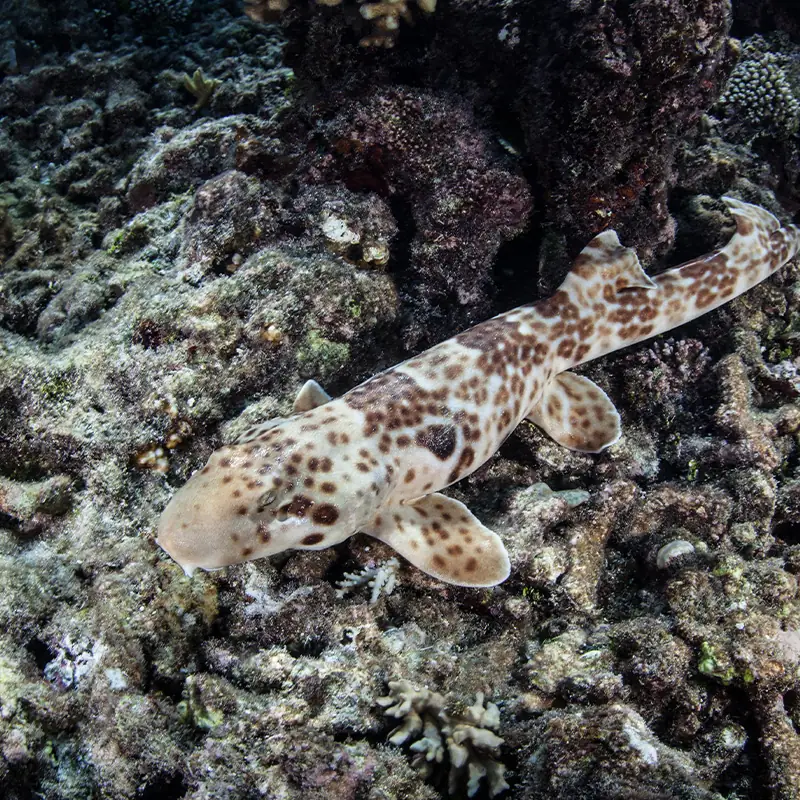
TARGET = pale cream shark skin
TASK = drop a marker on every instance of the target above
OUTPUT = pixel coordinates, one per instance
(375, 459)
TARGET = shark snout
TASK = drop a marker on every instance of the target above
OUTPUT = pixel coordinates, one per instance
(198, 535)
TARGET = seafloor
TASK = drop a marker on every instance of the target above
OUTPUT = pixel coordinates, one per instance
(178, 256)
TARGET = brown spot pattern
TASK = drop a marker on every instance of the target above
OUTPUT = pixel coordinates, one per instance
(263, 533)
(439, 439)
(325, 514)
(298, 506)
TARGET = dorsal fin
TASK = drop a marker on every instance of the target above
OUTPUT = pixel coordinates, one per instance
(311, 395)
(604, 260)
(748, 216)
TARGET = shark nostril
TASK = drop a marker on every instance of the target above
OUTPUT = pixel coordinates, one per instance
(282, 514)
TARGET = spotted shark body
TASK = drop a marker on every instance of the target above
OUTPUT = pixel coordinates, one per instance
(375, 459)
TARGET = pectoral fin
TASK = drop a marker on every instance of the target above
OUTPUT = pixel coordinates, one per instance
(440, 536)
(577, 413)
(311, 395)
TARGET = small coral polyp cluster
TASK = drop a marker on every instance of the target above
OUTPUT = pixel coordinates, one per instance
(760, 93)
(467, 739)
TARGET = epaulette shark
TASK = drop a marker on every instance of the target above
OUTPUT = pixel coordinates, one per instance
(374, 460)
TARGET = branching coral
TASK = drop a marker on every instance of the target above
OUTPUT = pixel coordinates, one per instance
(263, 10)
(381, 579)
(467, 739)
(200, 86)
(384, 15)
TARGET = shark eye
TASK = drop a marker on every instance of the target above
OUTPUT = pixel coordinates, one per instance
(266, 499)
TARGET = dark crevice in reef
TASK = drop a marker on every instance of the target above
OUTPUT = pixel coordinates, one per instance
(22, 785)
(753, 758)
(309, 646)
(791, 702)
(788, 532)
(8, 522)
(163, 787)
(516, 272)
(401, 262)
(343, 564)
(169, 687)
(220, 627)
(41, 652)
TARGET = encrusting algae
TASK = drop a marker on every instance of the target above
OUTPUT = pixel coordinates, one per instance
(375, 459)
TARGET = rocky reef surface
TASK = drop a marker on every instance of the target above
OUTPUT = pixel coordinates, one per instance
(181, 250)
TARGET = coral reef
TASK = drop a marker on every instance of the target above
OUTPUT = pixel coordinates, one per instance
(425, 155)
(171, 276)
(671, 373)
(592, 98)
(167, 12)
(381, 579)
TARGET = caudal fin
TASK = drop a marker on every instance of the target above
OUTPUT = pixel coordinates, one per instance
(760, 245)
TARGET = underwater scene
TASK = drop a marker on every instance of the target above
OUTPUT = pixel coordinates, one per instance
(399, 399)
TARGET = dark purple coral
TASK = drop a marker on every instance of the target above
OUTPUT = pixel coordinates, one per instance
(457, 196)
(612, 88)
(595, 95)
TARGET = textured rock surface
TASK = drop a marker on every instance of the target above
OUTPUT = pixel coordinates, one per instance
(591, 96)
(171, 276)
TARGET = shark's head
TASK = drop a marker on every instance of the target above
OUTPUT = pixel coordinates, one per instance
(251, 501)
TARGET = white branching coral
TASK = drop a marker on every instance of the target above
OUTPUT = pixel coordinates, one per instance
(467, 739)
(384, 15)
(381, 578)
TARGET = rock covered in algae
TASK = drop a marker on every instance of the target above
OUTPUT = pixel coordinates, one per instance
(172, 276)
(590, 99)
